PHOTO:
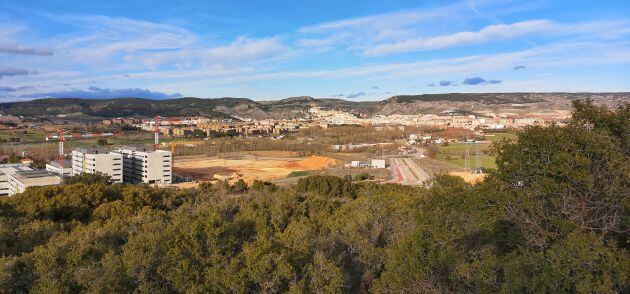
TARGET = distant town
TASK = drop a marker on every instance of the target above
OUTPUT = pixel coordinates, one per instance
(418, 135)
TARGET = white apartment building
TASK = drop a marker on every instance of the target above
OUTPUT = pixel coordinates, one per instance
(146, 165)
(55, 167)
(20, 180)
(93, 160)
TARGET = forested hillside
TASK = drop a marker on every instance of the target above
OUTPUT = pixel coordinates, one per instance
(122, 107)
(554, 217)
(293, 107)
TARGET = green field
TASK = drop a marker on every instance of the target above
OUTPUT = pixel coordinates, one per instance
(24, 135)
(455, 154)
(298, 173)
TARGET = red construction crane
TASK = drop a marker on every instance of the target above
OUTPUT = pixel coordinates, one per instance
(61, 157)
(156, 130)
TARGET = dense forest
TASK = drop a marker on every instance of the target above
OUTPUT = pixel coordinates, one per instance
(553, 217)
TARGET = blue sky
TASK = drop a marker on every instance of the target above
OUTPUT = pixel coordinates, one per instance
(355, 50)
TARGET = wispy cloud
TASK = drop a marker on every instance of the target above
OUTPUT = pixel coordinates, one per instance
(474, 81)
(499, 32)
(356, 95)
(12, 71)
(492, 32)
(479, 81)
(372, 28)
(552, 56)
(25, 50)
(425, 29)
(7, 89)
(241, 50)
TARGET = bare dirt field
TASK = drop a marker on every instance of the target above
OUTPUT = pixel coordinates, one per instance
(247, 167)
(274, 154)
(469, 177)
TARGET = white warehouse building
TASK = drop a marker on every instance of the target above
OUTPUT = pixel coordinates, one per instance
(95, 160)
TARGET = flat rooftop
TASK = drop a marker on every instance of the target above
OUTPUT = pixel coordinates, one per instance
(12, 168)
(37, 173)
(66, 163)
(92, 150)
(142, 148)
(37, 177)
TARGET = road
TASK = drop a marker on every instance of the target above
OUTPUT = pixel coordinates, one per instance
(405, 171)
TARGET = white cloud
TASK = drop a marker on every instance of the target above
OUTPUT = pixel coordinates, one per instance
(551, 57)
(394, 26)
(241, 50)
(9, 45)
(489, 33)
(500, 32)
(115, 44)
(368, 29)
(101, 39)
(446, 26)
(378, 22)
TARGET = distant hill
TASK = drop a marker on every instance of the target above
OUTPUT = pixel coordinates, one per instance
(292, 107)
(492, 102)
(123, 107)
(486, 98)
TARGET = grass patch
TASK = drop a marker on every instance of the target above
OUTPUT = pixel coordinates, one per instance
(297, 173)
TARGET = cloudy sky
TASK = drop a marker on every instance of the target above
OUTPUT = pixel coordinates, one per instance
(356, 50)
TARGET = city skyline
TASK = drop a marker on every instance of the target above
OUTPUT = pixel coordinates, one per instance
(366, 50)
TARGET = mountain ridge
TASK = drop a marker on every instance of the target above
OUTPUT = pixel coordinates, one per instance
(293, 107)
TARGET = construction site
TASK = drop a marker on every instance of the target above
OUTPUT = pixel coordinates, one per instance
(248, 167)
